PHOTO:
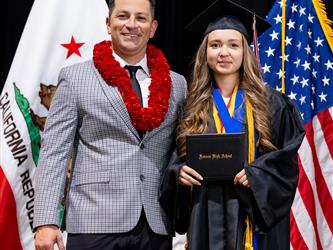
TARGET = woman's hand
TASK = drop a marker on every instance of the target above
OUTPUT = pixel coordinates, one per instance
(241, 179)
(188, 176)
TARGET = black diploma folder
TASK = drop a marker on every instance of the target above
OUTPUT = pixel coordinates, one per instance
(216, 157)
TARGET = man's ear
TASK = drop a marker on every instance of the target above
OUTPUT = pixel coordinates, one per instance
(153, 28)
(108, 25)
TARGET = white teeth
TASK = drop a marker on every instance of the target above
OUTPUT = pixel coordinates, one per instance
(131, 35)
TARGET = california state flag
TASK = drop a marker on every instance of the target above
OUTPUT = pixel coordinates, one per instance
(58, 33)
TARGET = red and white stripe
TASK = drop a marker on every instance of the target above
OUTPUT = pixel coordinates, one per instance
(311, 215)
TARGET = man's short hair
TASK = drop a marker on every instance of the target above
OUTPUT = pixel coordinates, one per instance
(152, 7)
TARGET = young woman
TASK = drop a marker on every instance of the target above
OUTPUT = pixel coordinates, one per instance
(252, 211)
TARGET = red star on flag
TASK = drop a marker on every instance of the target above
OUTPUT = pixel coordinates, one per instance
(73, 47)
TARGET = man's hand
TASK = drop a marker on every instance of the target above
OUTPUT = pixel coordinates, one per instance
(188, 176)
(47, 236)
(241, 179)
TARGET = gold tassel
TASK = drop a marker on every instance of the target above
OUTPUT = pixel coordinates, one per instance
(248, 234)
(250, 131)
(248, 245)
(324, 21)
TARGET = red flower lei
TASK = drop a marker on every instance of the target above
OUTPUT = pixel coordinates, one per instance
(143, 119)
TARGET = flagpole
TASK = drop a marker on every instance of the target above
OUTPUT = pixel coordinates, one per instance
(283, 25)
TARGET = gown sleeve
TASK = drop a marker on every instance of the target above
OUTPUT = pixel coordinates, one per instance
(273, 175)
(174, 197)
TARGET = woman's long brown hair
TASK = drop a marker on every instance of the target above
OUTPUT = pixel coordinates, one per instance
(196, 114)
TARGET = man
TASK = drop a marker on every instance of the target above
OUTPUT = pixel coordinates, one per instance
(118, 129)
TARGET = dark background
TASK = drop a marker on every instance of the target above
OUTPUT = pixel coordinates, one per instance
(178, 44)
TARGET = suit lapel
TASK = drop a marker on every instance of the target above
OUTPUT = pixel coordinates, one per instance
(116, 102)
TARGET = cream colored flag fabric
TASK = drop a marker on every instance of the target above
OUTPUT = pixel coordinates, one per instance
(57, 33)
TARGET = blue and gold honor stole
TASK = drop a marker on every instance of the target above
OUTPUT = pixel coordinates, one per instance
(227, 122)
(224, 115)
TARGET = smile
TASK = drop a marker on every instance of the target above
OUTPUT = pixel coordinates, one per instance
(131, 35)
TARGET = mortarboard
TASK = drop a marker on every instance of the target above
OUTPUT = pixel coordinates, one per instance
(227, 14)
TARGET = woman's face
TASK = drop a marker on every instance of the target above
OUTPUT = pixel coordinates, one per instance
(225, 51)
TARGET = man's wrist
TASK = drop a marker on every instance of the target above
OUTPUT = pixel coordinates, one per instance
(37, 229)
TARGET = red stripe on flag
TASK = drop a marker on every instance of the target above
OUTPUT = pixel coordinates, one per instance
(306, 192)
(324, 195)
(326, 123)
(9, 234)
(296, 238)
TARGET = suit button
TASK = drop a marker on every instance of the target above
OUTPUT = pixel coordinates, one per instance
(142, 177)
(142, 146)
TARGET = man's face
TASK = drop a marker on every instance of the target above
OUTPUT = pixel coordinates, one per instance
(131, 25)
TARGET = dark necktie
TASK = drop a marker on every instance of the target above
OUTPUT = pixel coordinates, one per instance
(135, 83)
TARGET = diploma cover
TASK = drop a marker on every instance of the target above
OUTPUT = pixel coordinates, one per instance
(216, 157)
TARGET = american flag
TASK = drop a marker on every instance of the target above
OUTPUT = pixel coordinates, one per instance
(309, 83)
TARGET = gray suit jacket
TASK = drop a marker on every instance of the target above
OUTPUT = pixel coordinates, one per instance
(115, 173)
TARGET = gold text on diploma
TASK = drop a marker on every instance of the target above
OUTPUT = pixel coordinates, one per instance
(214, 156)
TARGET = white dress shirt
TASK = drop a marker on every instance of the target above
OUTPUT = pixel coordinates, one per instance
(226, 100)
(142, 75)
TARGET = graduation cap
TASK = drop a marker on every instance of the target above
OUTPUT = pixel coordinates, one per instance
(227, 14)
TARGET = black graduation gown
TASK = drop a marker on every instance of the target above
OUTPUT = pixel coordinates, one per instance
(214, 215)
